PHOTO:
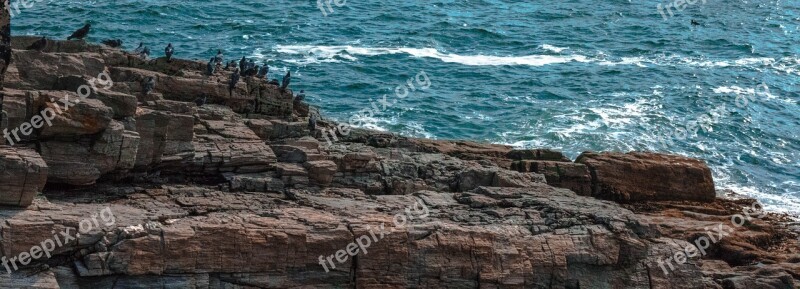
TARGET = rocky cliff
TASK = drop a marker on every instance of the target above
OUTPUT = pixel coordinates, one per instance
(239, 192)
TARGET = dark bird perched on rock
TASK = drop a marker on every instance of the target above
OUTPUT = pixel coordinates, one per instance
(312, 123)
(251, 64)
(139, 49)
(262, 73)
(219, 58)
(169, 51)
(114, 43)
(145, 53)
(234, 80)
(210, 68)
(301, 96)
(201, 101)
(39, 45)
(243, 64)
(695, 23)
(286, 80)
(250, 72)
(80, 33)
(148, 85)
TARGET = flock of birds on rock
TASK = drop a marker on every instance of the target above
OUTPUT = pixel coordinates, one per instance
(245, 67)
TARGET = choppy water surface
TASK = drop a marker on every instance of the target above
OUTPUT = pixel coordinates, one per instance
(572, 75)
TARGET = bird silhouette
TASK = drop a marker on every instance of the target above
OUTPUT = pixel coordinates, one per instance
(243, 64)
(251, 64)
(201, 101)
(312, 123)
(250, 71)
(210, 68)
(145, 52)
(139, 49)
(39, 45)
(695, 23)
(149, 85)
(168, 51)
(234, 80)
(286, 80)
(114, 43)
(219, 58)
(80, 33)
(262, 73)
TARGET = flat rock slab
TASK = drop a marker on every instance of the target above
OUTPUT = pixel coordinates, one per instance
(23, 173)
(638, 176)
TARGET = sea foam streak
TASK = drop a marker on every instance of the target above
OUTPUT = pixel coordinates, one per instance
(334, 53)
(475, 60)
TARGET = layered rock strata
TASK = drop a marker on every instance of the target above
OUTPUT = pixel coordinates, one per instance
(239, 193)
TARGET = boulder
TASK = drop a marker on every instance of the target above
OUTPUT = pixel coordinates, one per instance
(215, 154)
(496, 177)
(84, 161)
(86, 117)
(261, 127)
(32, 70)
(640, 176)
(18, 109)
(23, 173)
(566, 175)
(363, 161)
(166, 138)
(282, 129)
(321, 172)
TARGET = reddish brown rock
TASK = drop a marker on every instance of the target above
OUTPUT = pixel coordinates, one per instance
(23, 174)
(537, 154)
(566, 175)
(638, 176)
(466, 150)
(321, 172)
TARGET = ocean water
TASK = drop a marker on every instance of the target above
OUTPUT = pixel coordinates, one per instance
(572, 75)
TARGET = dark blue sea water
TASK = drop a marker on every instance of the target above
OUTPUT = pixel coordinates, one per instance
(573, 75)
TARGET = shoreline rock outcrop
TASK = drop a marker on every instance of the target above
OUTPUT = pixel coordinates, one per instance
(23, 174)
(239, 193)
(638, 176)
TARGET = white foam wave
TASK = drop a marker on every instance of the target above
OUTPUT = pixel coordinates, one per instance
(552, 48)
(737, 91)
(638, 61)
(772, 202)
(473, 60)
(338, 53)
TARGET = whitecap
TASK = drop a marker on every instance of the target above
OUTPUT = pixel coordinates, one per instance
(763, 92)
(472, 60)
(552, 48)
(771, 202)
(321, 53)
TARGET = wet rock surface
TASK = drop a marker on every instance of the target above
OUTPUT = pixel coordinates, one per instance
(239, 193)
